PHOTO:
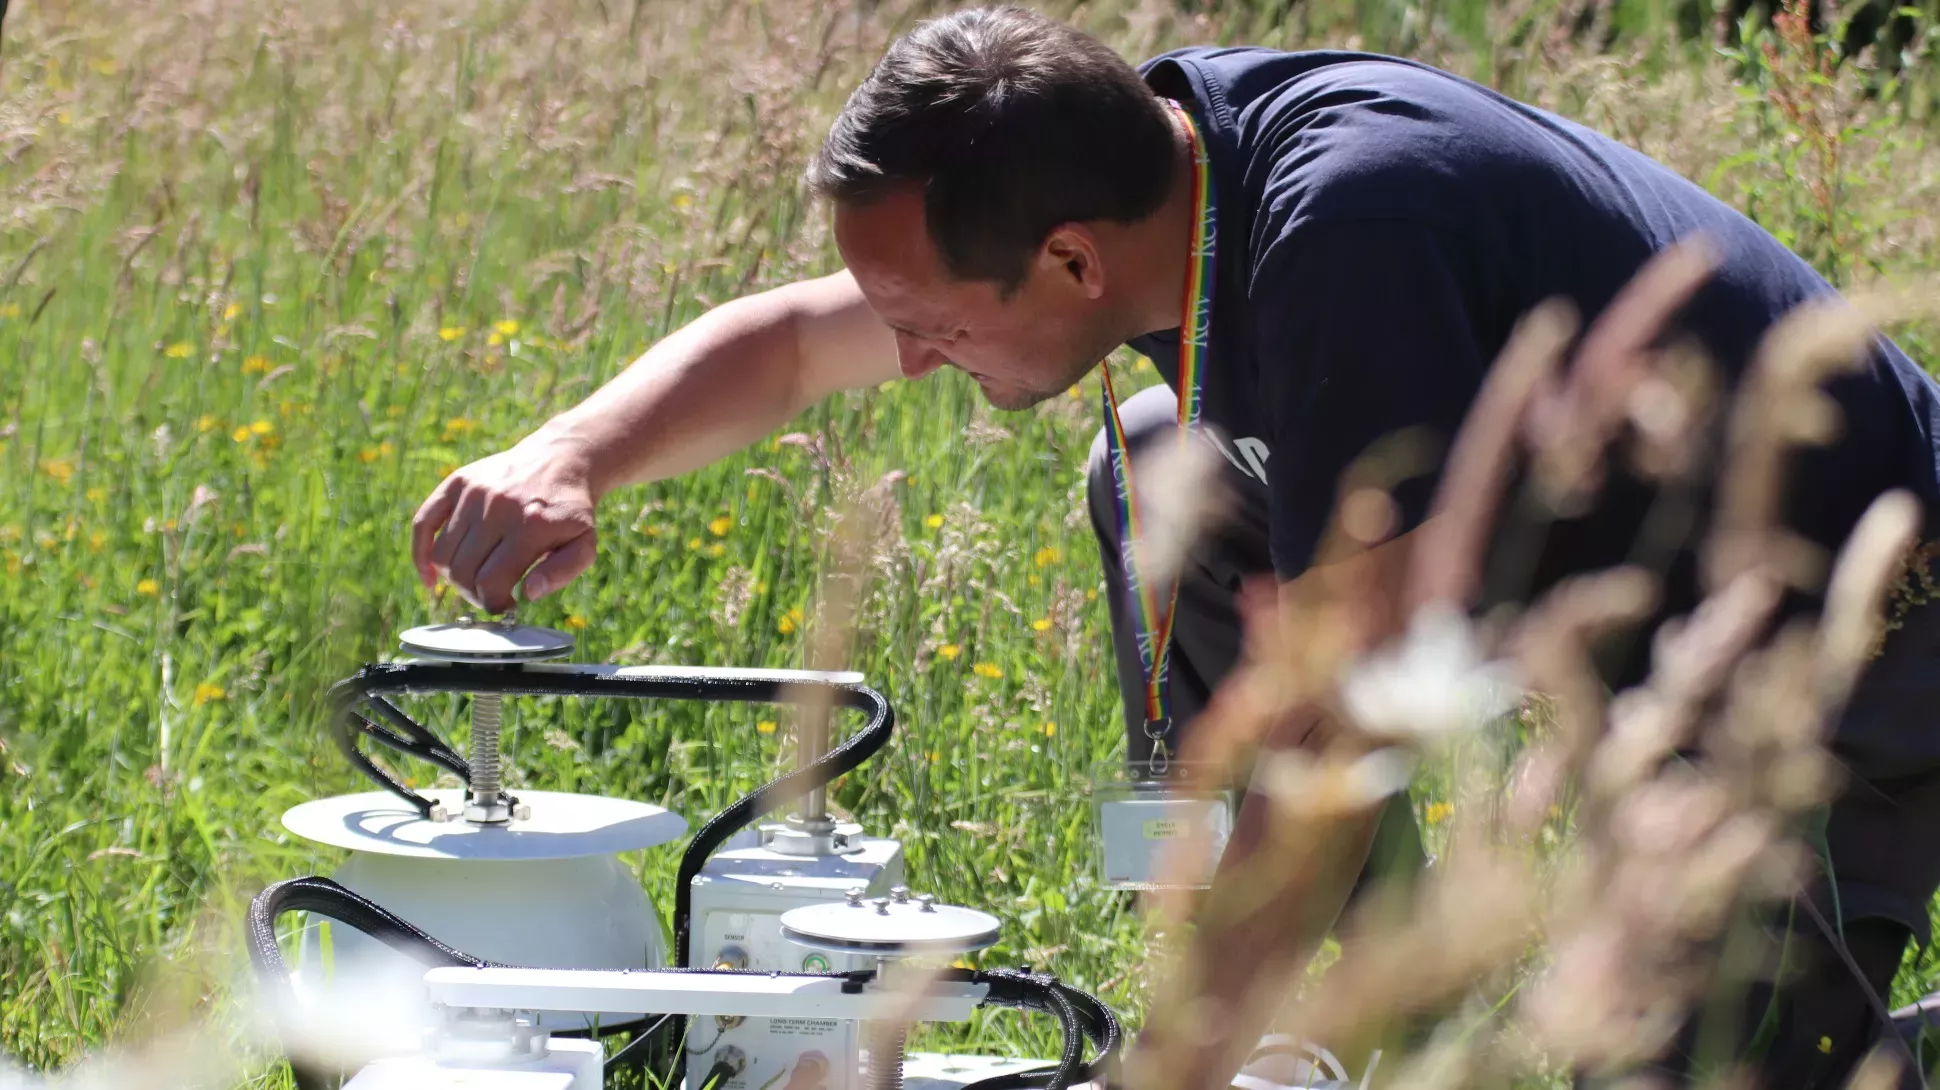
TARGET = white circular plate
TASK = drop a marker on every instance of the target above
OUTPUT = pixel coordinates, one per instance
(562, 826)
(486, 641)
(899, 927)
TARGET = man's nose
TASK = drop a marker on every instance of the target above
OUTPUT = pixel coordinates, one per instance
(916, 357)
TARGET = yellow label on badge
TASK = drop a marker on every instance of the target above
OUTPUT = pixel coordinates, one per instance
(1165, 829)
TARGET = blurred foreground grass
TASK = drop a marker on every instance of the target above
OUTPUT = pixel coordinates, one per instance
(268, 271)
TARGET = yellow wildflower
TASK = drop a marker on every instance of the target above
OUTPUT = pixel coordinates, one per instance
(1825, 1045)
(790, 621)
(949, 651)
(229, 312)
(60, 469)
(933, 521)
(1050, 729)
(494, 340)
(508, 327)
(1438, 812)
(256, 365)
(1047, 556)
(97, 541)
(458, 426)
(693, 543)
(682, 201)
(720, 526)
(240, 435)
(261, 427)
(576, 621)
(97, 494)
(206, 692)
(717, 550)
(1042, 624)
(451, 332)
(148, 587)
(179, 350)
(1142, 363)
(766, 726)
(988, 669)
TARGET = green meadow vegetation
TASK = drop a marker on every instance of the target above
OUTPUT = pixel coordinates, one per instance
(269, 270)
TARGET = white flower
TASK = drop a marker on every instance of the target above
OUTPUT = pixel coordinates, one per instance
(1429, 684)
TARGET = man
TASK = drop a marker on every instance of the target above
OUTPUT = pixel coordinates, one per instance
(1346, 242)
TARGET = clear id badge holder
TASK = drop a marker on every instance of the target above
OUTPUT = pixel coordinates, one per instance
(1160, 831)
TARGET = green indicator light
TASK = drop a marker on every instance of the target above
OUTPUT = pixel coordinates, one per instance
(815, 963)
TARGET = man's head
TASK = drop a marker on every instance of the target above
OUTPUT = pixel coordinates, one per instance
(981, 177)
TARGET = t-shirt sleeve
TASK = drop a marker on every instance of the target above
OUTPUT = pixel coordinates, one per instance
(1364, 330)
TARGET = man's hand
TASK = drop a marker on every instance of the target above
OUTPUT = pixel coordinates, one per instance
(490, 522)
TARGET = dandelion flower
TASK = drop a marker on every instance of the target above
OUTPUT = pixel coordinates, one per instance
(720, 526)
(494, 340)
(949, 651)
(256, 365)
(230, 312)
(205, 692)
(576, 622)
(506, 327)
(988, 670)
(179, 350)
(1047, 556)
(97, 541)
(60, 469)
(148, 588)
(97, 494)
(766, 726)
(789, 621)
(451, 332)
(934, 521)
(240, 435)
(1050, 729)
(717, 550)
(1042, 624)
(261, 427)
(1438, 812)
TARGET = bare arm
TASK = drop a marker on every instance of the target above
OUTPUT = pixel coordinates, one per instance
(715, 386)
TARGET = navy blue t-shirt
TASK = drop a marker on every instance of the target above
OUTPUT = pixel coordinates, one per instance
(1383, 226)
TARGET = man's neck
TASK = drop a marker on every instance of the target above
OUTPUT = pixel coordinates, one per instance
(1161, 246)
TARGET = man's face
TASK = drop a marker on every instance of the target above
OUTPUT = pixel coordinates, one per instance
(1022, 349)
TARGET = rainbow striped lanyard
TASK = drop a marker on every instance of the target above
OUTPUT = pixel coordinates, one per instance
(1153, 617)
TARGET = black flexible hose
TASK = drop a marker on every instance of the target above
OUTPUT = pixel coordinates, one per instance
(1081, 1016)
(400, 732)
(718, 1076)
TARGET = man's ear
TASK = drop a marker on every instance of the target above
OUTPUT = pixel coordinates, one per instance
(1071, 256)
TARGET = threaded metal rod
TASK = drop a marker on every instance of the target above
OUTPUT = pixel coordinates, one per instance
(485, 802)
(886, 1043)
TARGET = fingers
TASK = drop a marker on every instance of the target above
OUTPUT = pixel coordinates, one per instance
(562, 566)
(425, 525)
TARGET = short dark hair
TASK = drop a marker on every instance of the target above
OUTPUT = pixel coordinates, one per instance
(1012, 123)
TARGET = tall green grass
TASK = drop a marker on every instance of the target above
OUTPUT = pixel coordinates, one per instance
(268, 272)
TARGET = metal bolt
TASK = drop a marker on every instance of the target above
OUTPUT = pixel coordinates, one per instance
(900, 893)
(485, 802)
(882, 906)
(927, 901)
(855, 897)
(522, 812)
(885, 1043)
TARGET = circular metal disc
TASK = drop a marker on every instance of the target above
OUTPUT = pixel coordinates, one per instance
(899, 927)
(562, 826)
(486, 641)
